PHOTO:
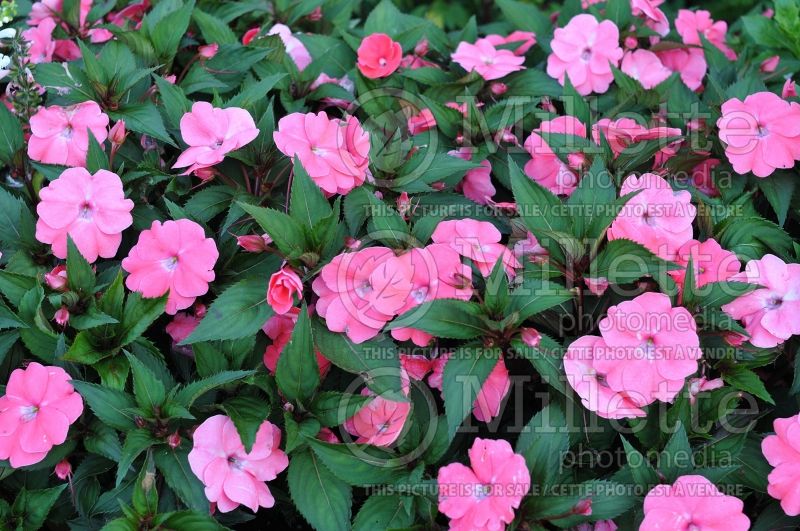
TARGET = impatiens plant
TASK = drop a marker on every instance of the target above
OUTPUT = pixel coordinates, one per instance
(383, 264)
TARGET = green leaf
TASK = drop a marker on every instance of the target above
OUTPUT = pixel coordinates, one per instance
(83, 351)
(248, 413)
(535, 295)
(109, 405)
(284, 230)
(213, 29)
(167, 26)
(17, 226)
(31, 507)
(747, 381)
(643, 473)
(322, 498)
(308, 204)
(174, 103)
(96, 158)
(575, 104)
(138, 315)
(191, 520)
(716, 294)
(14, 286)
(332, 408)
(382, 511)
(543, 442)
(11, 139)
(676, 459)
(186, 395)
(625, 261)
(147, 388)
(496, 296)
(385, 224)
(297, 373)
(358, 464)
(593, 198)
(464, 375)
(779, 188)
(174, 465)
(136, 442)
(8, 319)
(240, 311)
(547, 359)
(449, 318)
(143, 118)
(80, 276)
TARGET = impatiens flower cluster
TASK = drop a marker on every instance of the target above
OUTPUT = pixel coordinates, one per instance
(334, 152)
(761, 134)
(769, 313)
(782, 451)
(36, 411)
(485, 494)
(585, 50)
(173, 257)
(231, 475)
(212, 133)
(647, 350)
(60, 135)
(90, 209)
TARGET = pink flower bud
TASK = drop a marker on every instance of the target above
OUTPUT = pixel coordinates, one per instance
(62, 316)
(734, 339)
(171, 79)
(583, 507)
(770, 64)
(118, 133)
(498, 89)
(282, 288)
(63, 469)
(576, 160)
(56, 279)
(597, 286)
(205, 174)
(631, 42)
(200, 310)
(252, 243)
(352, 243)
(421, 48)
(403, 205)
(789, 89)
(208, 51)
(174, 440)
(325, 434)
(250, 34)
(315, 15)
(531, 337)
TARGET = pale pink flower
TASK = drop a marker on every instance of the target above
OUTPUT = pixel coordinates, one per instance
(525, 39)
(485, 494)
(493, 391)
(692, 503)
(585, 50)
(531, 336)
(710, 262)
(91, 209)
(690, 63)
(656, 217)
(182, 326)
(544, 166)
(334, 152)
(45, 9)
(761, 133)
(36, 412)
(436, 273)
(174, 257)
(283, 286)
(782, 451)
(40, 41)
(118, 133)
(654, 18)
(360, 292)
(477, 240)
(294, 47)
(645, 67)
(380, 422)
(477, 182)
(212, 133)
(421, 122)
(769, 313)
(231, 475)
(489, 62)
(60, 135)
(690, 24)
(378, 56)
(279, 329)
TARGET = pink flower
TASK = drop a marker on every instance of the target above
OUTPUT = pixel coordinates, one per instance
(489, 62)
(360, 292)
(531, 248)
(60, 135)
(436, 273)
(253, 243)
(585, 50)
(690, 24)
(212, 133)
(91, 209)
(419, 123)
(645, 67)
(250, 34)
(692, 503)
(182, 326)
(493, 391)
(485, 494)
(625, 132)
(279, 329)
(36, 412)
(334, 152)
(378, 423)
(600, 525)
(591, 385)
(526, 38)
(174, 257)
(477, 183)
(703, 179)
(690, 63)
(654, 18)
(761, 133)
(477, 240)
(656, 217)
(545, 167)
(782, 450)
(769, 313)
(231, 475)
(294, 47)
(283, 285)
(40, 11)
(415, 365)
(378, 56)
(40, 41)
(531, 336)
(710, 262)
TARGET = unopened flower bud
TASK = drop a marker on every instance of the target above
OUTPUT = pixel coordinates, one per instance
(208, 51)
(56, 279)
(62, 316)
(174, 440)
(118, 133)
(63, 469)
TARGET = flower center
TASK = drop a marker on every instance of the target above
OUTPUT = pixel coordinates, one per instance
(586, 54)
(383, 427)
(483, 491)
(363, 289)
(217, 144)
(774, 302)
(67, 131)
(234, 462)
(419, 295)
(85, 211)
(693, 527)
(28, 413)
(382, 61)
(762, 131)
(170, 263)
(648, 219)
